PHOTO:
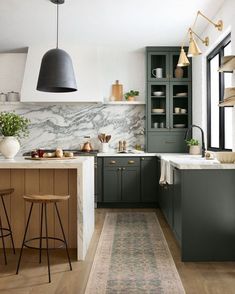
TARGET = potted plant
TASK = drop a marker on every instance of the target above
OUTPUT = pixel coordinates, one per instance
(130, 96)
(12, 128)
(194, 147)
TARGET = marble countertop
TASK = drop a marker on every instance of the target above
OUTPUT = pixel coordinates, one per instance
(21, 162)
(198, 163)
(129, 154)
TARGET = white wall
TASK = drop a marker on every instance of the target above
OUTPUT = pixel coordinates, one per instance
(227, 14)
(96, 69)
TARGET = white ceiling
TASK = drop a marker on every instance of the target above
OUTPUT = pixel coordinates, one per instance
(130, 23)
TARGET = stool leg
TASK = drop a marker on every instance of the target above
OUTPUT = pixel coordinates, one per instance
(40, 240)
(3, 242)
(48, 259)
(26, 229)
(9, 225)
(66, 246)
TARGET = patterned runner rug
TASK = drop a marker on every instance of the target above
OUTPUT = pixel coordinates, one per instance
(132, 257)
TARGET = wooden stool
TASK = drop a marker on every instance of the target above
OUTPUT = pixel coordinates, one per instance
(43, 200)
(4, 232)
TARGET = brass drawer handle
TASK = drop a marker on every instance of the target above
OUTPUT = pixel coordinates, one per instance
(112, 162)
(119, 168)
(123, 168)
(131, 161)
(170, 142)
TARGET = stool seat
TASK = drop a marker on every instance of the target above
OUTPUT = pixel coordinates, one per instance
(45, 198)
(6, 191)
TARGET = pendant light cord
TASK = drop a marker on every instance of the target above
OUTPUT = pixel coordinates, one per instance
(57, 26)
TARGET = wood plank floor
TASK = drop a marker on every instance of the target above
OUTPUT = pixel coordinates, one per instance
(213, 278)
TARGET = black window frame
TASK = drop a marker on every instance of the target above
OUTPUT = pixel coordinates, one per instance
(219, 49)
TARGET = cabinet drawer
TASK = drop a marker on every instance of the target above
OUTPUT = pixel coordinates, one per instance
(169, 142)
(122, 161)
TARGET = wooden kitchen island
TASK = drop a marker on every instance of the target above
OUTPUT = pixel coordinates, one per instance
(59, 177)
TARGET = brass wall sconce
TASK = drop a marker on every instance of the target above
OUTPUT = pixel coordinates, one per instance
(194, 49)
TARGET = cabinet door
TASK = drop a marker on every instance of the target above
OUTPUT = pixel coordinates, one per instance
(180, 110)
(186, 71)
(149, 179)
(158, 61)
(130, 184)
(158, 98)
(112, 184)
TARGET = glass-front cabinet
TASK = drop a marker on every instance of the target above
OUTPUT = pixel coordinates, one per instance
(162, 65)
(169, 97)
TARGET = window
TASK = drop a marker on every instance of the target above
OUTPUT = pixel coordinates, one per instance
(219, 119)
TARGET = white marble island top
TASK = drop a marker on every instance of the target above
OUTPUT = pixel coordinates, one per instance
(21, 162)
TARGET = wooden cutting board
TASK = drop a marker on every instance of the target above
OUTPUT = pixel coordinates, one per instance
(117, 91)
(50, 158)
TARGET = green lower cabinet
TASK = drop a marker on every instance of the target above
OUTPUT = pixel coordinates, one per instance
(129, 181)
(112, 184)
(121, 184)
(130, 184)
(149, 179)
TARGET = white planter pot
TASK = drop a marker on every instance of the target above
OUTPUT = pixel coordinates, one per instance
(9, 146)
(195, 150)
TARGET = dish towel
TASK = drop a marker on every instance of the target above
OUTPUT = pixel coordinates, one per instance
(166, 172)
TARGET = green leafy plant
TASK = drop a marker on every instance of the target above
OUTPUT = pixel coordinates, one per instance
(12, 124)
(192, 142)
(132, 93)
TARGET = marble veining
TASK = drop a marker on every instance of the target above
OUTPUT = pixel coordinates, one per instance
(65, 125)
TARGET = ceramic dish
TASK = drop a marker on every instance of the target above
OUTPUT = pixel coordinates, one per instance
(158, 93)
(181, 94)
(179, 126)
(158, 110)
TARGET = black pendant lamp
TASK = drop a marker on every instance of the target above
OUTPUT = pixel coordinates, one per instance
(56, 72)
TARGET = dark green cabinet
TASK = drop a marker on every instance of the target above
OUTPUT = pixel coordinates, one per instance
(112, 184)
(129, 181)
(121, 180)
(177, 206)
(130, 184)
(168, 100)
(149, 179)
(98, 179)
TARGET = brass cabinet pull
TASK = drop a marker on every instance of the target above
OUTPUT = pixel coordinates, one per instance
(131, 161)
(119, 168)
(142, 158)
(170, 142)
(123, 168)
(112, 162)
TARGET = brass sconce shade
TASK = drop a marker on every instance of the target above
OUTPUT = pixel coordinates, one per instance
(183, 59)
(228, 64)
(193, 49)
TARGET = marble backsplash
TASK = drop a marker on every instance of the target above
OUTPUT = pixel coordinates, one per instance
(65, 125)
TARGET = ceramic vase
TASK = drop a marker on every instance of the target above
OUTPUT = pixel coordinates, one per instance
(179, 72)
(195, 150)
(9, 146)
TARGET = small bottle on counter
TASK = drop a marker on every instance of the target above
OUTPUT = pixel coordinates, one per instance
(124, 146)
(120, 146)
